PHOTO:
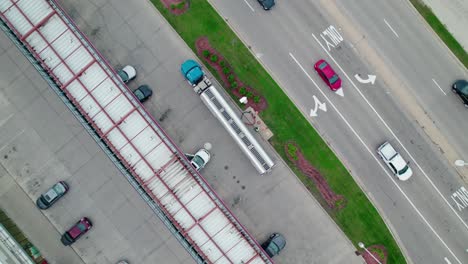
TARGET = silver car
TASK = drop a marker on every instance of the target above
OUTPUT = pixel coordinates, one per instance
(395, 161)
(47, 199)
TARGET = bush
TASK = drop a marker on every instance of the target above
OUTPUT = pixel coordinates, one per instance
(206, 53)
(173, 7)
(250, 94)
(214, 58)
(292, 151)
(243, 91)
(234, 85)
(231, 78)
(226, 70)
(222, 64)
(180, 5)
(256, 99)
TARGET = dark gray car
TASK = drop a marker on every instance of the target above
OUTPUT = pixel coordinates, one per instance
(47, 199)
(143, 93)
(460, 87)
(267, 4)
(275, 243)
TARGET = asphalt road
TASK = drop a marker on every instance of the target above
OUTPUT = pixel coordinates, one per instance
(405, 105)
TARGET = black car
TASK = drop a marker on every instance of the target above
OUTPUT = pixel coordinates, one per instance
(460, 87)
(275, 243)
(143, 93)
(267, 4)
(47, 199)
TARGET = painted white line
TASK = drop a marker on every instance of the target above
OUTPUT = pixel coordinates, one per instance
(388, 25)
(251, 8)
(402, 146)
(439, 86)
(2, 122)
(448, 261)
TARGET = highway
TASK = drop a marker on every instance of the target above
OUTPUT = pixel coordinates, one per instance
(410, 105)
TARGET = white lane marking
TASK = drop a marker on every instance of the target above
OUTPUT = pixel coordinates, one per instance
(251, 8)
(2, 122)
(448, 261)
(439, 86)
(394, 32)
(318, 105)
(385, 170)
(394, 135)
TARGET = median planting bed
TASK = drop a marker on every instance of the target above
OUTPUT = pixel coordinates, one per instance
(313, 162)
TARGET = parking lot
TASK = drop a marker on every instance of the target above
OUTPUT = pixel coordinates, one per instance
(41, 143)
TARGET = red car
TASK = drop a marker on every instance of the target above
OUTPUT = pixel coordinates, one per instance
(328, 75)
(76, 231)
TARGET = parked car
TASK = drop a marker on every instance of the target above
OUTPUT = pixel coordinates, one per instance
(127, 74)
(267, 4)
(328, 75)
(76, 231)
(55, 192)
(395, 161)
(275, 243)
(460, 87)
(143, 92)
(200, 159)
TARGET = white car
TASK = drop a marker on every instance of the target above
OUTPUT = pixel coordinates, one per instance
(200, 159)
(127, 74)
(394, 161)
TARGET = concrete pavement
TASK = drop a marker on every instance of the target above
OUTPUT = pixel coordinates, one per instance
(41, 143)
(452, 13)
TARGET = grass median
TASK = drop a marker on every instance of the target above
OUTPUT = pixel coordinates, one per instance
(359, 220)
(441, 31)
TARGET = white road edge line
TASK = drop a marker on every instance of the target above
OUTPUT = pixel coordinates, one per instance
(439, 86)
(448, 261)
(388, 25)
(251, 8)
(393, 134)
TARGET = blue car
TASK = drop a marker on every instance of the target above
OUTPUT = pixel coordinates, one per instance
(267, 4)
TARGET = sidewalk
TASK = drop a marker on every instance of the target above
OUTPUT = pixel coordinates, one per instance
(453, 14)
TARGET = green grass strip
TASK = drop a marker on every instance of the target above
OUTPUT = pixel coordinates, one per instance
(359, 220)
(441, 31)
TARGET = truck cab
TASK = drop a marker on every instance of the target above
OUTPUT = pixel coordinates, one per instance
(192, 72)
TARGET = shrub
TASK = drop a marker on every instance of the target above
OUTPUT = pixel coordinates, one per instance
(292, 151)
(226, 70)
(214, 58)
(173, 6)
(256, 99)
(206, 53)
(180, 5)
(234, 85)
(222, 64)
(243, 91)
(231, 77)
(250, 94)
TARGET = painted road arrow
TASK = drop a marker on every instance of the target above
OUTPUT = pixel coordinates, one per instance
(318, 105)
(370, 79)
